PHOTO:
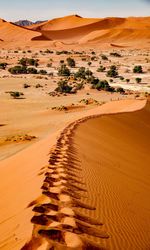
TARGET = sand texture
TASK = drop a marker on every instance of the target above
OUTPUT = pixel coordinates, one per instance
(54, 176)
(114, 154)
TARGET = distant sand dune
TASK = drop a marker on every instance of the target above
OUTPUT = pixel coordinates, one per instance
(84, 30)
(10, 32)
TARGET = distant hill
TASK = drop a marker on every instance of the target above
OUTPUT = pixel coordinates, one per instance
(27, 22)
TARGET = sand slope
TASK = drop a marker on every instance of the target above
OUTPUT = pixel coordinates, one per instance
(77, 30)
(10, 32)
(20, 183)
(83, 30)
(114, 154)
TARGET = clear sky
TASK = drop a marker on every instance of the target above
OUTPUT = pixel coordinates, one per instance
(12, 10)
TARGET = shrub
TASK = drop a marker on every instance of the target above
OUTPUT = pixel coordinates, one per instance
(63, 52)
(127, 80)
(104, 57)
(93, 58)
(42, 72)
(71, 62)
(18, 70)
(49, 65)
(80, 86)
(28, 61)
(63, 71)
(38, 85)
(48, 51)
(115, 54)
(112, 72)
(26, 86)
(89, 63)
(88, 73)
(103, 85)
(138, 69)
(3, 65)
(16, 94)
(101, 69)
(63, 87)
(120, 90)
(121, 78)
(32, 71)
(62, 62)
(138, 80)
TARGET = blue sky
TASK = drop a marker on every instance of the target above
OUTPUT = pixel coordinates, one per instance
(46, 9)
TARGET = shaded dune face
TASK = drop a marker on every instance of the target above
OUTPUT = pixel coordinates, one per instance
(114, 154)
(84, 30)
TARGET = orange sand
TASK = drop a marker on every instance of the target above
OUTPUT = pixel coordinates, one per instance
(77, 30)
(114, 154)
(20, 181)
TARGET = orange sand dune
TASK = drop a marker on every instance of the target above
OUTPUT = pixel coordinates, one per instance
(67, 22)
(114, 154)
(20, 181)
(117, 35)
(11, 32)
(83, 30)
(76, 30)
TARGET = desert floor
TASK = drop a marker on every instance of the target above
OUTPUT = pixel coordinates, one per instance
(30, 127)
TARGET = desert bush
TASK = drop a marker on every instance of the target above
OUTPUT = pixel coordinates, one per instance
(121, 78)
(25, 85)
(48, 51)
(3, 65)
(38, 85)
(104, 57)
(49, 65)
(32, 70)
(63, 71)
(103, 85)
(81, 73)
(28, 61)
(16, 94)
(63, 52)
(71, 62)
(138, 69)
(115, 54)
(101, 68)
(89, 63)
(63, 87)
(112, 72)
(120, 90)
(18, 70)
(138, 80)
(42, 72)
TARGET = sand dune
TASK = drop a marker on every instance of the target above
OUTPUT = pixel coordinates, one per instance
(114, 154)
(67, 22)
(77, 30)
(21, 177)
(83, 30)
(117, 35)
(10, 32)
